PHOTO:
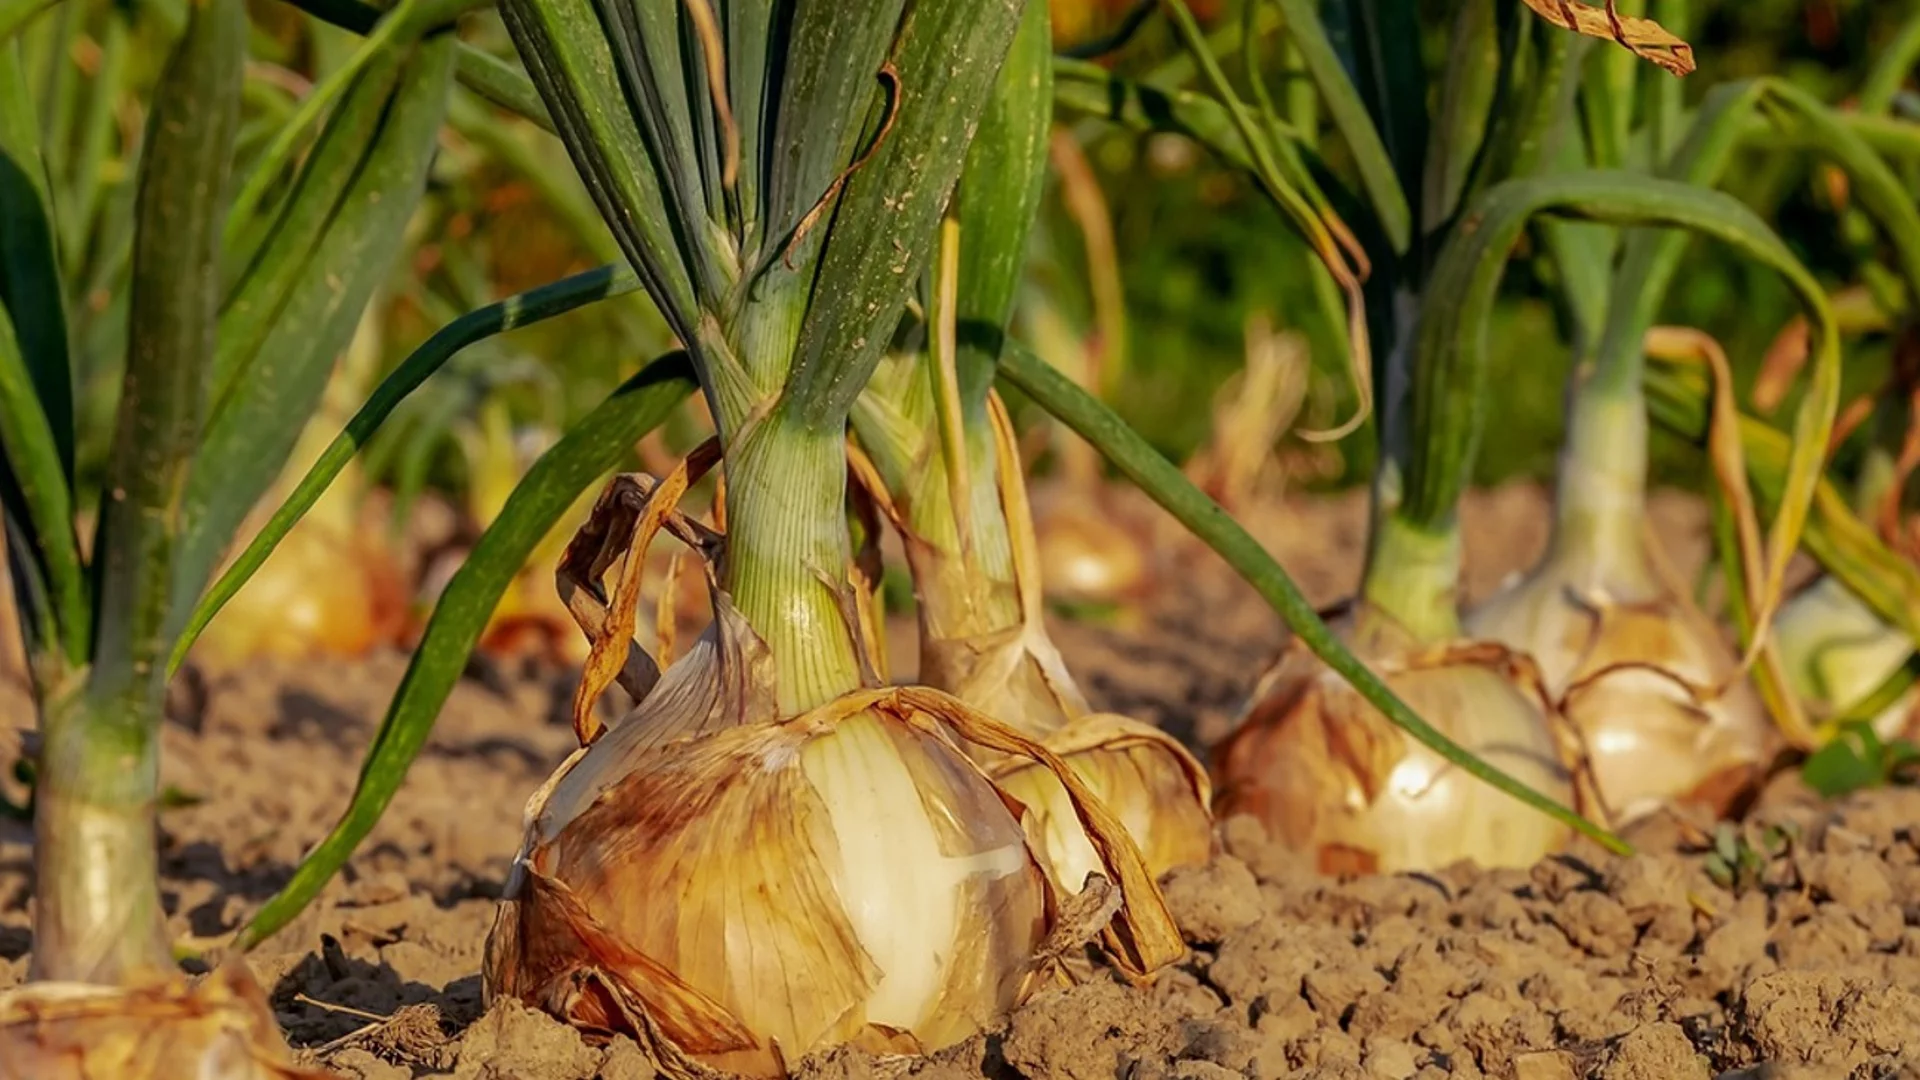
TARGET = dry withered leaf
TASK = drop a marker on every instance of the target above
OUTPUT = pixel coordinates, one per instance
(1643, 37)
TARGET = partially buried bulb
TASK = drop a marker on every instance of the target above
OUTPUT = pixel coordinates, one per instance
(1011, 670)
(218, 1028)
(735, 889)
(1330, 777)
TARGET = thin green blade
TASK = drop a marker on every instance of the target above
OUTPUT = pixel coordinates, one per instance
(563, 45)
(39, 512)
(592, 447)
(828, 82)
(946, 60)
(30, 272)
(515, 311)
(1166, 485)
(996, 203)
(1350, 116)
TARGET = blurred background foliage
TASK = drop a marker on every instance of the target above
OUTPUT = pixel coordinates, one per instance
(1198, 251)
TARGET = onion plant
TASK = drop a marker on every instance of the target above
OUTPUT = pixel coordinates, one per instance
(1313, 761)
(946, 467)
(1660, 697)
(234, 320)
(1323, 771)
(775, 177)
(1846, 652)
(1846, 640)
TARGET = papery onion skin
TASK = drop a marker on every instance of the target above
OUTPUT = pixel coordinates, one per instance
(1836, 650)
(1152, 784)
(220, 1028)
(1630, 675)
(1330, 778)
(770, 890)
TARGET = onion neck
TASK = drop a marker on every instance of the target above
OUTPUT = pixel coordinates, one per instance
(1413, 576)
(97, 915)
(1600, 505)
(972, 592)
(788, 550)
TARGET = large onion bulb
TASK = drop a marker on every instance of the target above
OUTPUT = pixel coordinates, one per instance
(332, 588)
(1330, 777)
(736, 889)
(1089, 552)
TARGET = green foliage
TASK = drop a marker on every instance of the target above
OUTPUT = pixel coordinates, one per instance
(586, 453)
(544, 303)
(1741, 854)
(1857, 759)
(1163, 481)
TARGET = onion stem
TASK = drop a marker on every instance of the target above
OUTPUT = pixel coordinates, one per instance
(96, 869)
(1413, 575)
(786, 539)
(987, 598)
(1601, 492)
(1166, 485)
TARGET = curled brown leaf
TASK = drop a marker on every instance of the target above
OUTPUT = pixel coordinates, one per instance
(1643, 37)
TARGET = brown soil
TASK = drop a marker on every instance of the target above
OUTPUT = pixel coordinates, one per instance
(1584, 966)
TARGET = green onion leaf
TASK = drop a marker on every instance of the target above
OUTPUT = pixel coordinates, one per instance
(1166, 485)
(588, 450)
(525, 309)
(172, 334)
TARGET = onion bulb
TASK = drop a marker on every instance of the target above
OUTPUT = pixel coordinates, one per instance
(1632, 676)
(332, 587)
(1330, 777)
(220, 1028)
(1836, 650)
(1645, 676)
(1012, 671)
(1089, 550)
(735, 889)
(1092, 549)
(1149, 781)
(1155, 787)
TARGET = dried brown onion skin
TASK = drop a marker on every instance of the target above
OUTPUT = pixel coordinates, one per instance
(1331, 778)
(220, 1028)
(1639, 680)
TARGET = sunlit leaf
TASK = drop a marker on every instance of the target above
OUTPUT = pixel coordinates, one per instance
(1643, 37)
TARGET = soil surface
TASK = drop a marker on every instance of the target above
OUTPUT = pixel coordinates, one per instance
(1586, 965)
